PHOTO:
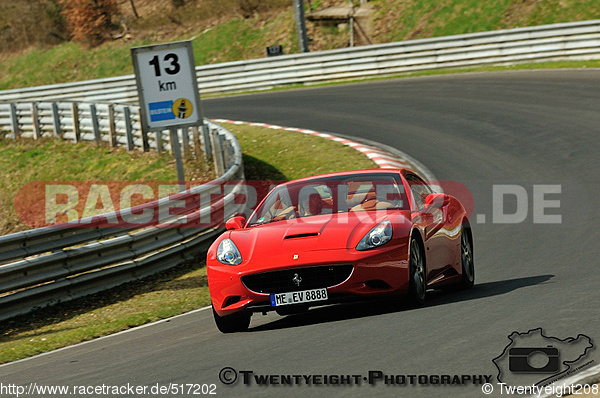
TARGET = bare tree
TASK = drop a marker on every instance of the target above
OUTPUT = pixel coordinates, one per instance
(133, 8)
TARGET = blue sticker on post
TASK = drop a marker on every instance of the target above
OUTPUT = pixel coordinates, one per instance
(160, 111)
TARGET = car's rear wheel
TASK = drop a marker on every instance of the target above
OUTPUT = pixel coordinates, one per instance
(466, 256)
(238, 322)
(417, 286)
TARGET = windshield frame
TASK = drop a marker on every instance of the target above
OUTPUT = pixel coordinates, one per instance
(333, 183)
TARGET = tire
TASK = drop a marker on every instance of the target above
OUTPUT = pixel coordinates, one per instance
(417, 286)
(238, 322)
(466, 256)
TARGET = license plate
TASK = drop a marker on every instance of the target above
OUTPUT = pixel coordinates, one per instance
(305, 296)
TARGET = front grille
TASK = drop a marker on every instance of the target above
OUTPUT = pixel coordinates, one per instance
(311, 278)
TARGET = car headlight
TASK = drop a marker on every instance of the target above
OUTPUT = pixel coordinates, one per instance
(378, 236)
(228, 253)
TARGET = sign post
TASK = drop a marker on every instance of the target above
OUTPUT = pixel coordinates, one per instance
(168, 91)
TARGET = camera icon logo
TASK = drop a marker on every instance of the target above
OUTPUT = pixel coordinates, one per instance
(534, 360)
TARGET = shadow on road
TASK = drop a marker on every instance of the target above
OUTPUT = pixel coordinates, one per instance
(362, 309)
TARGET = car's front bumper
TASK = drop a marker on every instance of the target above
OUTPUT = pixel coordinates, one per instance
(378, 272)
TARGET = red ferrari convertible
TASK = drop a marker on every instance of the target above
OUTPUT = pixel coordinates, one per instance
(334, 237)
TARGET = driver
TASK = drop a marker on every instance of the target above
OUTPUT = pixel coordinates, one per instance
(281, 211)
(310, 203)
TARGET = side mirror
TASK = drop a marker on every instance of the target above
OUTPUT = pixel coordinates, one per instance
(235, 223)
(436, 200)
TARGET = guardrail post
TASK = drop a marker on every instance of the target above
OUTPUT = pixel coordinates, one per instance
(145, 143)
(196, 141)
(206, 141)
(112, 127)
(174, 136)
(186, 141)
(159, 142)
(76, 129)
(229, 153)
(217, 152)
(223, 154)
(128, 128)
(56, 120)
(225, 147)
(14, 120)
(35, 116)
(95, 125)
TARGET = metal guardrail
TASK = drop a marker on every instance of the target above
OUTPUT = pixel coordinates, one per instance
(43, 266)
(567, 41)
(114, 124)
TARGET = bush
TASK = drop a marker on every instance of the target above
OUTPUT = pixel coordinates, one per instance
(90, 21)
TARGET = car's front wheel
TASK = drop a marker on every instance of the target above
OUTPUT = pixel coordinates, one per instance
(238, 322)
(417, 285)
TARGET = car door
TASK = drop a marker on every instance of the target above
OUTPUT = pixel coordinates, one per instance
(431, 221)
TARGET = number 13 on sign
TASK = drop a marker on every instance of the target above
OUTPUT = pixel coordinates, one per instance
(167, 86)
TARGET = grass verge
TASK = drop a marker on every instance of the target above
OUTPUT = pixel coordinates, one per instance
(24, 160)
(284, 155)
(268, 155)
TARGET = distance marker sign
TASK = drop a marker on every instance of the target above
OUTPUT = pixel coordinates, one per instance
(167, 87)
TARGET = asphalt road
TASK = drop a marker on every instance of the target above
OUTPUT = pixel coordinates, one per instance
(520, 128)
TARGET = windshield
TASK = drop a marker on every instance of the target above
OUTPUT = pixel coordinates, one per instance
(342, 194)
